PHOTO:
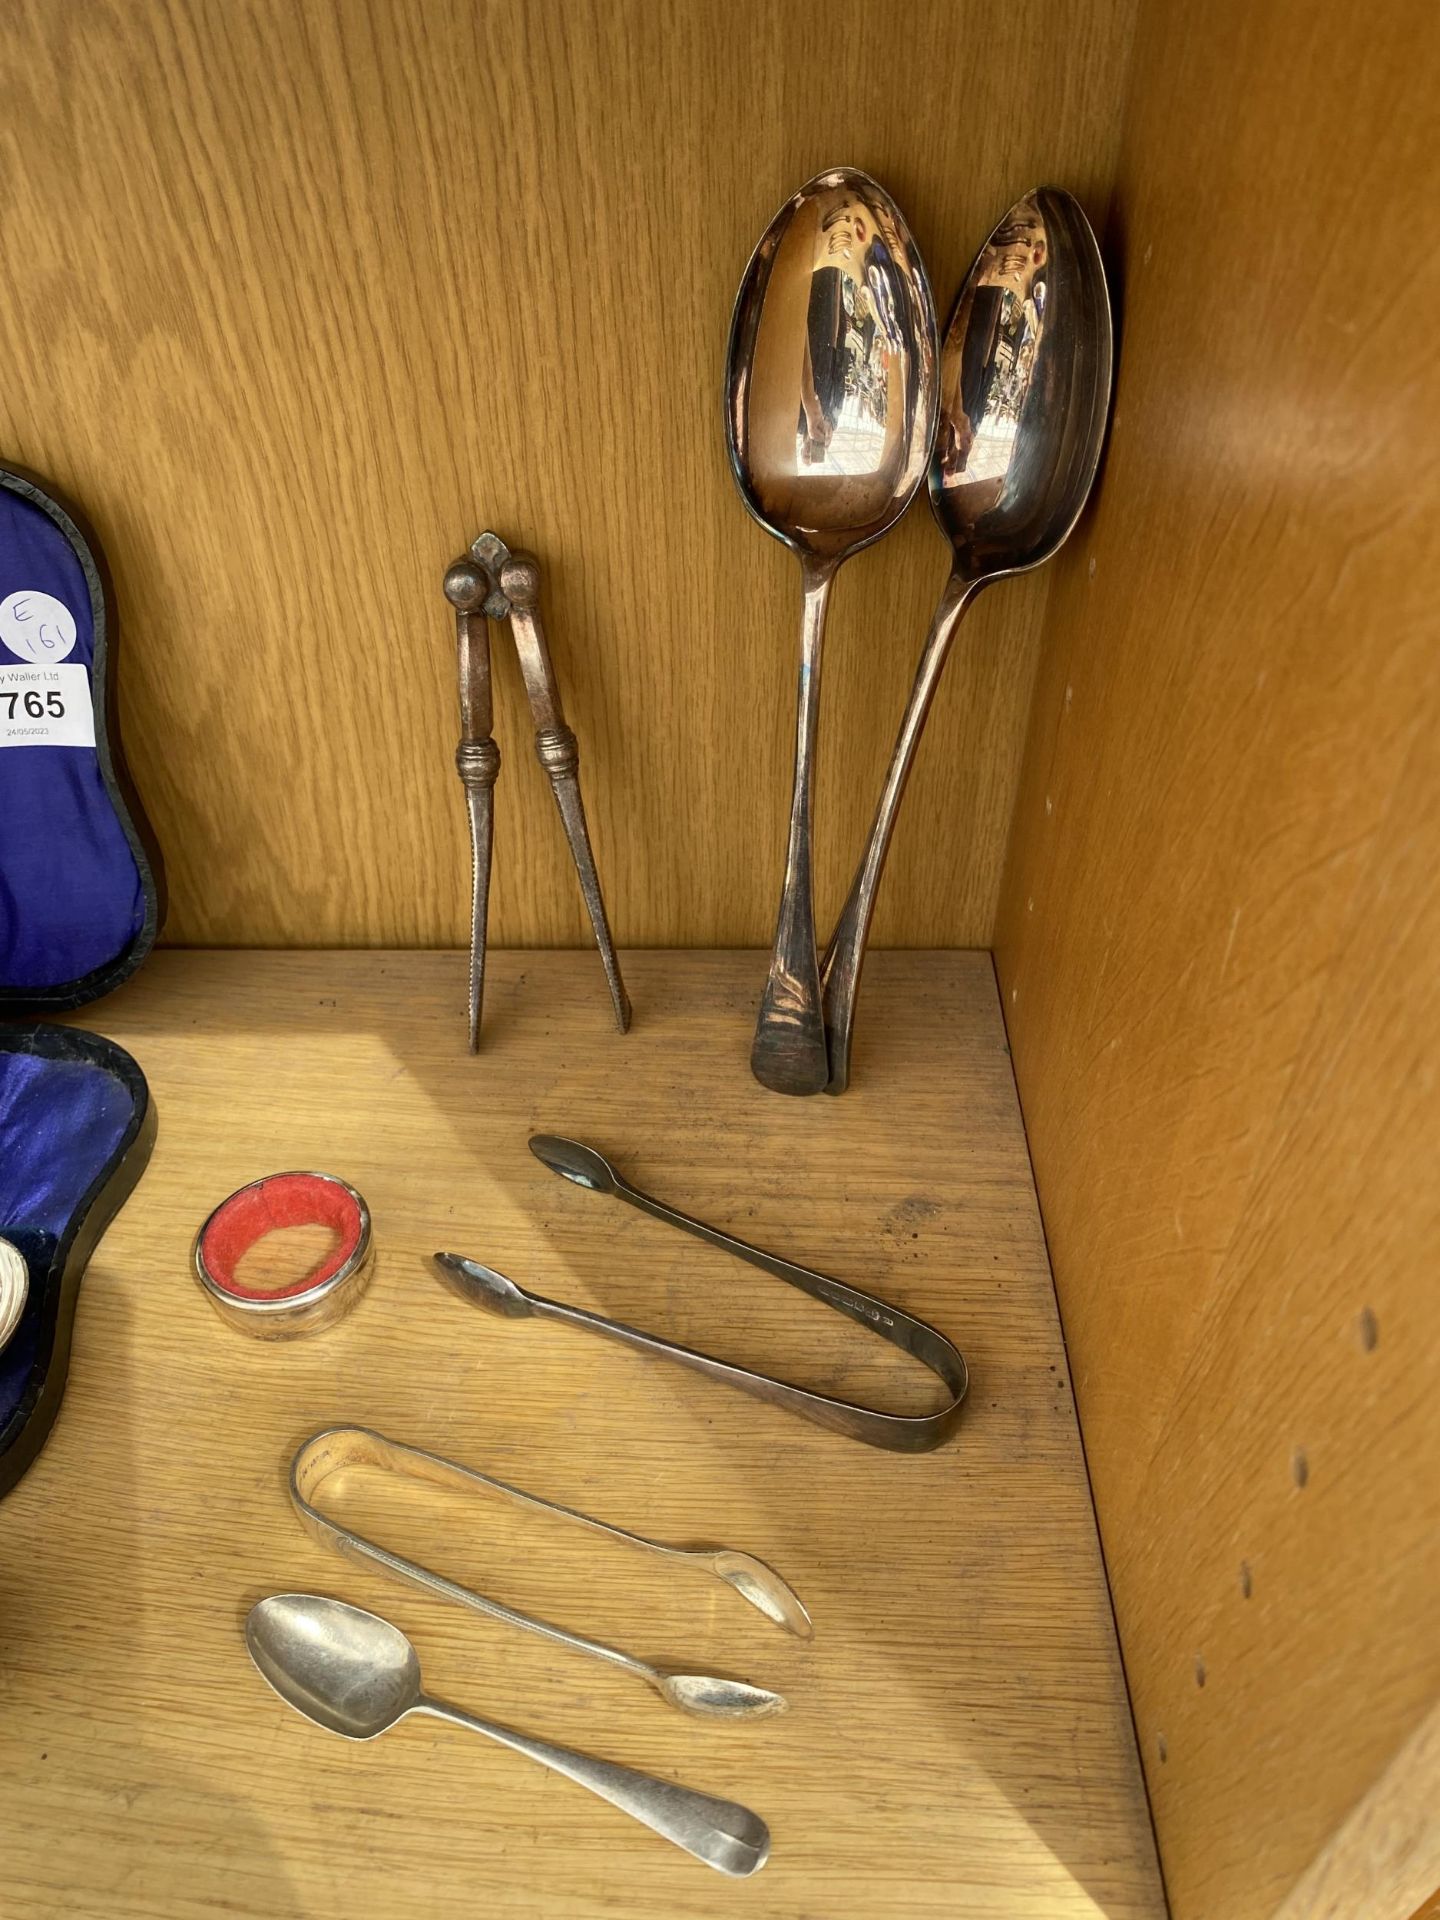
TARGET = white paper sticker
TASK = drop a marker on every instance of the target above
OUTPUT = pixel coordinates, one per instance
(46, 707)
(36, 626)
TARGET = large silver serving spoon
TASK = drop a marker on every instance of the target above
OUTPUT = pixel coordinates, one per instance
(1025, 379)
(830, 412)
(356, 1675)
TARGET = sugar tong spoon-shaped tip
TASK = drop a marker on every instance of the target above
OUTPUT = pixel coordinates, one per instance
(830, 412)
(1025, 379)
(357, 1675)
(582, 1165)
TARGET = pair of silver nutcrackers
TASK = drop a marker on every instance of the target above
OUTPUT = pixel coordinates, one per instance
(492, 583)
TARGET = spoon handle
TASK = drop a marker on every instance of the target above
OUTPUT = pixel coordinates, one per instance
(722, 1833)
(788, 1054)
(845, 956)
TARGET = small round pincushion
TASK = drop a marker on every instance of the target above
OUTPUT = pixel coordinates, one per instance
(321, 1296)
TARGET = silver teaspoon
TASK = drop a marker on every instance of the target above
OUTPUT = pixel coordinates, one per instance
(830, 413)
(357, 1675)
(1025, 380)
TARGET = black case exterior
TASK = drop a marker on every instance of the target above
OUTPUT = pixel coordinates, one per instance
(67, 995)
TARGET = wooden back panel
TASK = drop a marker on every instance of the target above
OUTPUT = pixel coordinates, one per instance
(1219, 936)
(302, 296)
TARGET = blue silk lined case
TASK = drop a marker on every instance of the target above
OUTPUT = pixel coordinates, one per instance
(81, 880)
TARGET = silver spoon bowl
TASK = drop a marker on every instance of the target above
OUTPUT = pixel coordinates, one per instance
(830, 413)
(1025, 380)
(357, 1675)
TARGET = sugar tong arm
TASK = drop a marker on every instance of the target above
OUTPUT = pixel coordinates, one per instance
(517, 578)
(335, 1448)
(477, 758)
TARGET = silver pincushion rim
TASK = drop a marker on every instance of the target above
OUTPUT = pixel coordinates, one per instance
(312, 1308)
(14, 1290)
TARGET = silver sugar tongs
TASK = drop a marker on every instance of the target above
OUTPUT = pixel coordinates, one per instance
(336, 1448)
(898, 1432)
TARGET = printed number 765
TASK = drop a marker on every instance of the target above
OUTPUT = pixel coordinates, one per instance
(32, 705)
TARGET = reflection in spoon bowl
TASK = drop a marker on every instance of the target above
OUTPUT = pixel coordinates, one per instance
(1024, 390)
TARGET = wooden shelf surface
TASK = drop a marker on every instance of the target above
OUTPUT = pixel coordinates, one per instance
(959, 1740)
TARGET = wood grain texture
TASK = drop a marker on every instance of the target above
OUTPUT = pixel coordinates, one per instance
(304, 295)
(959, 1736)
(1386, 1854)
(1219, 928)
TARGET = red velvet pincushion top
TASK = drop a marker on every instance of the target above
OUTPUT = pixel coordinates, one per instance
(280, 1200)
